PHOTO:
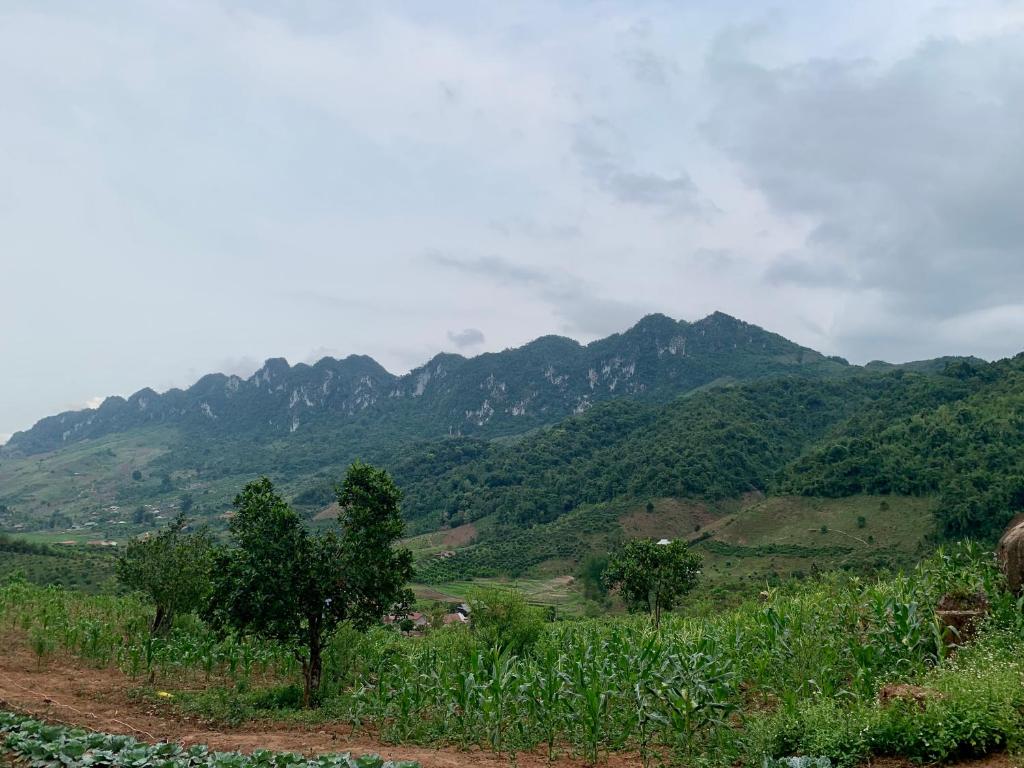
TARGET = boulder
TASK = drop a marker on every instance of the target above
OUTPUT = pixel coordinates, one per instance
(1011, 555)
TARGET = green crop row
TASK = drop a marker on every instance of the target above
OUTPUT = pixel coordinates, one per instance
(42, 745)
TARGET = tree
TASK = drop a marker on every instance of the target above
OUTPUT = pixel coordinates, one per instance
(284, 583)
(371, 522)
(592, 575)
(172, 567)
(653, 576)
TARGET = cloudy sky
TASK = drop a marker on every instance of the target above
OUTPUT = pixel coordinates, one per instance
(195, 186)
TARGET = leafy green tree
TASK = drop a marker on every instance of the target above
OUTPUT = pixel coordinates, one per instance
(371, 522)
(652, 576)
(172, 568)
(284, 583)
(142, 516)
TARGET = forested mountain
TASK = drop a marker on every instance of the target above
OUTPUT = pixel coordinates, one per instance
(715, 444)
(709, 410)
(493, 394)
(958, 435)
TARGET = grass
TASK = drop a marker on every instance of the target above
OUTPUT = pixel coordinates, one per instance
(83, 475)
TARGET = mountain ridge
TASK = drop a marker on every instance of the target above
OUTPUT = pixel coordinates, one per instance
(490, 394)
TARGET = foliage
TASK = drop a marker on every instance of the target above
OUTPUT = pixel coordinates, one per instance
(714, 444)
(972, 707)
(653, 576)
(43, 745)
(284, 583)
(502, 619)
(89, 571)
(172, 568)
(14, 545)
(279, 582)
(375, 571)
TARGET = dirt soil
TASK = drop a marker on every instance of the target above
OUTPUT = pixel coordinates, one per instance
(460, 536)
(64, 690)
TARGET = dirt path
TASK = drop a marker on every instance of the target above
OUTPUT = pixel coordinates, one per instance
(63, 690)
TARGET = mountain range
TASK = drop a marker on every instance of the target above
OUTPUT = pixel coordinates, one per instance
(521, 443)
(493, 394)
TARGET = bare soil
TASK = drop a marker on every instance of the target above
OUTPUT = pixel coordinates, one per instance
(460, 536)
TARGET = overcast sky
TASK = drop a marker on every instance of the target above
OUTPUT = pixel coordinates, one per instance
(188, 187)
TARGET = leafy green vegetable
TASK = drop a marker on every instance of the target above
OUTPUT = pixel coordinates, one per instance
(55, 746)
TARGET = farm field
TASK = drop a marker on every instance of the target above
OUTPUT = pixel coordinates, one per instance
(798, 672)
(746, 544)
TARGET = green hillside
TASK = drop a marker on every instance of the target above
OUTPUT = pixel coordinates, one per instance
(715, 444)
(303, 424)
(969, 452)
(74, 567)
(744, 542)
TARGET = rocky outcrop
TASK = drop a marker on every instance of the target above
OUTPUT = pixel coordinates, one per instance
(1011, 555)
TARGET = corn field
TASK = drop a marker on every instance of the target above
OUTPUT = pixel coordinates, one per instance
(587, 687)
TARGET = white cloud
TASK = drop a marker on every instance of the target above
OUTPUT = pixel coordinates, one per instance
(468, 337)
(209, 179)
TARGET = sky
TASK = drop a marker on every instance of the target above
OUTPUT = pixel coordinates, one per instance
(188, 187)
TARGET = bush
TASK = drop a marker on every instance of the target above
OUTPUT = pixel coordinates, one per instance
(974, 706)
(502, 618)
